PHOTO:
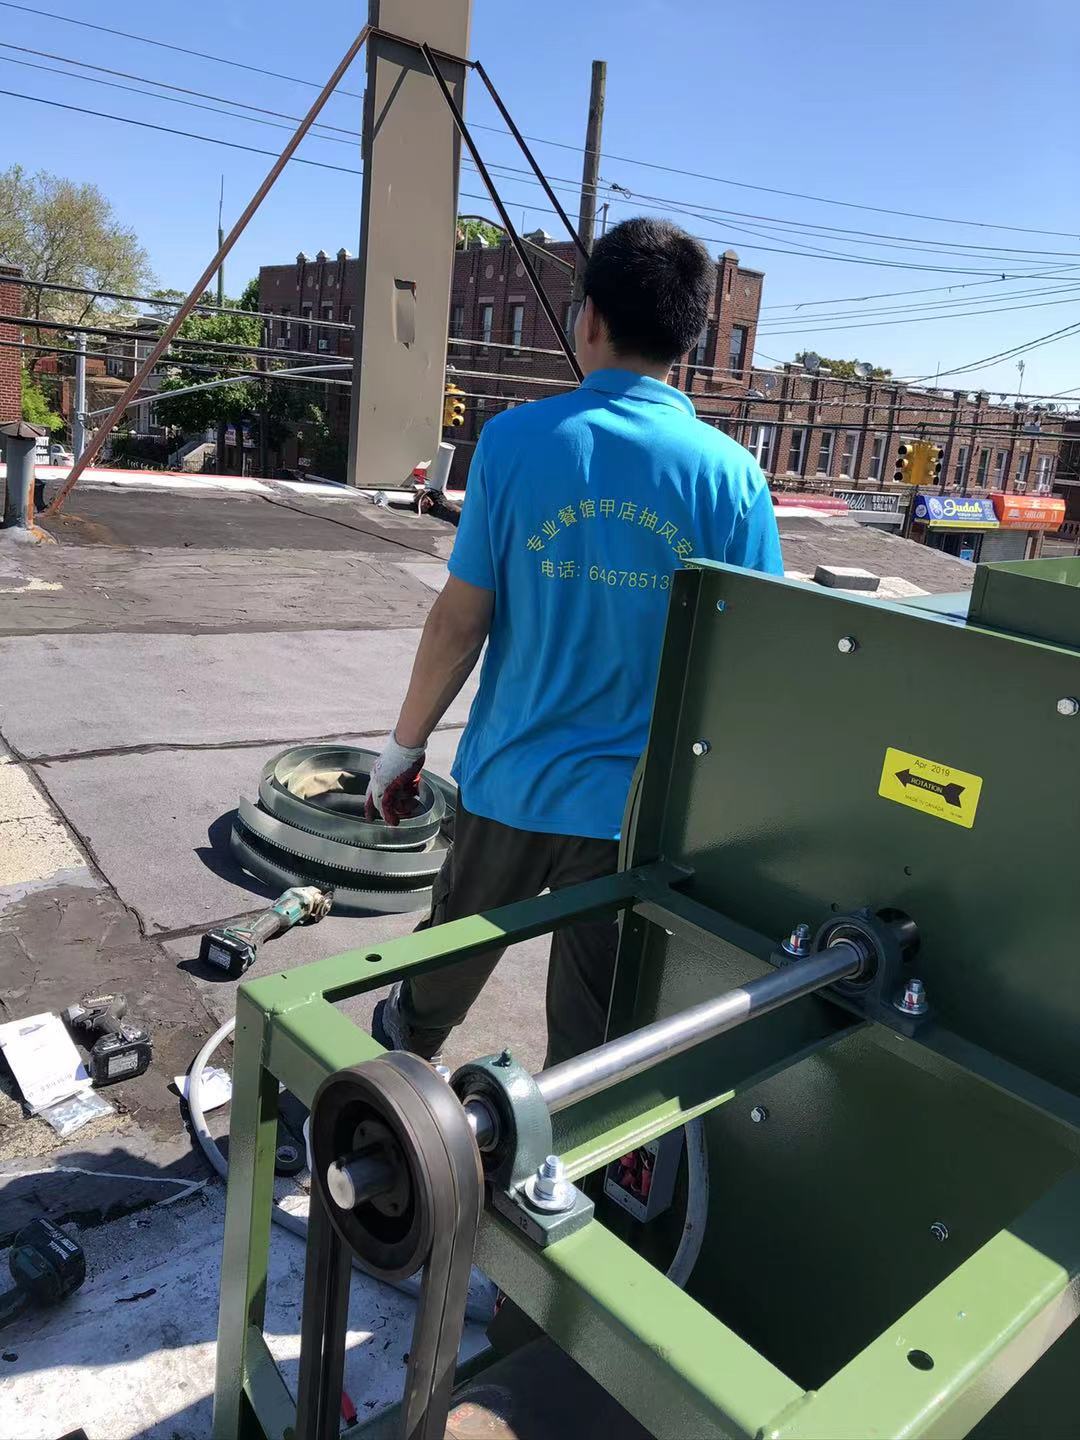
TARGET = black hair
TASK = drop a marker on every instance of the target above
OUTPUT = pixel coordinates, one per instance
(651, 283)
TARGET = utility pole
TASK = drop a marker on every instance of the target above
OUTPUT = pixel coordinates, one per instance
(221, 242)
(78, 408)
(590, 168)
(221, 301)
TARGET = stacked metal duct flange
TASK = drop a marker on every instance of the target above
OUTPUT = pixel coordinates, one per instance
(308, 828)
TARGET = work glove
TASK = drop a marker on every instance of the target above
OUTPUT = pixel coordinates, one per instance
(394, 787)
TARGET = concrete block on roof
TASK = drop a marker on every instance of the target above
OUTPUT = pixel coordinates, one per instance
(846, 577)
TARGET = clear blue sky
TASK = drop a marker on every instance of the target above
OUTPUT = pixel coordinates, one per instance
(953, 108)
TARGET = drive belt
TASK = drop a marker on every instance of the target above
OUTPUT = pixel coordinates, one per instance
(309, 828)
(426, 1214)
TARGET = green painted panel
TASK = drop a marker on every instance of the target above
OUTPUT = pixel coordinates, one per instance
(782, 820)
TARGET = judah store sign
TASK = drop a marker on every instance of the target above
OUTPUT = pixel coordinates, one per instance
(955, 512)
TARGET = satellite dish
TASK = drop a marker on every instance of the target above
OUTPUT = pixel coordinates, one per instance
(769, 384)
(863, 369)
(811, 362)
(1052, 407)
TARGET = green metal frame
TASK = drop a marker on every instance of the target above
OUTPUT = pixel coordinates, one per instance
(665, 1358)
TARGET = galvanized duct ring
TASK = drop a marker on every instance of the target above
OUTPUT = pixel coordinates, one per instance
(319, 836)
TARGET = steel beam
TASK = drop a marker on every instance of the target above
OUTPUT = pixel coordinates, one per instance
(410, 152)
(671, 1364)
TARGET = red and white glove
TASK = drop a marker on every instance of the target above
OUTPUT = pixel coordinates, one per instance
(394, 788)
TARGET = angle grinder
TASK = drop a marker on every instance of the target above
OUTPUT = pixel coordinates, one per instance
(46, 1265)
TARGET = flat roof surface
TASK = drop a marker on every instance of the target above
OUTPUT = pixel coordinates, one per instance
(174, 639)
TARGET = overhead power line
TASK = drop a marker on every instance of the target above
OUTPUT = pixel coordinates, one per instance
(187, 134)
(166, 85)
(562, 145)
(824, 329)
(282, 120)
(175, 304)
(1035, 344)
(178, 49)
(352, 170)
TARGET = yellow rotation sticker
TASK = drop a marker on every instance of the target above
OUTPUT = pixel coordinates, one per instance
(926, 785)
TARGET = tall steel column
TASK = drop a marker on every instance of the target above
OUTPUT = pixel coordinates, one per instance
(408, 214)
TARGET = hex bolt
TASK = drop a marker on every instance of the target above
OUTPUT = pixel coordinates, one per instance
(1068, 705)
(759, 1114)
(847, 645)
(549, 1188)
(940, 1231)
(798, 942)
(912, 999)
(443, 1072)
(700, 748)
(721, 605)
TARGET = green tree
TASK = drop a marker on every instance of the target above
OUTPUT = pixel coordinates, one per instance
(62, 232)
(472, 227)
(255, 401)
(844, 369)
(36, 409)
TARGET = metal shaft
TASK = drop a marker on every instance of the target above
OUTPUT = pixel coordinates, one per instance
(598, 1069)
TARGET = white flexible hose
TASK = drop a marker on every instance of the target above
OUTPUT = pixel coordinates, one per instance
(697, 1205)
(480, 1306)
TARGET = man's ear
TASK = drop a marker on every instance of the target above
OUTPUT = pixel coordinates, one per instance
(595, 329)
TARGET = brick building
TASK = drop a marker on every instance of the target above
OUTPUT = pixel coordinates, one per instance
(502, 348)
(11, 303)
(812, 432)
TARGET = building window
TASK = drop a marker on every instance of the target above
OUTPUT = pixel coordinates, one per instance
(1001, 460)
(961, 465)
(700, 351)
(824, 455)
(796, 452)
(487, 320)
(877, 457)
(737, 350)
(517, 323)
(305, 327)
(327, 312)
(761, 445)
(346, 315)
(1044, 471)
(984, 469)
(285, 323)
(457, 325)
(568, 319)
(1020, 478)
(847, 455)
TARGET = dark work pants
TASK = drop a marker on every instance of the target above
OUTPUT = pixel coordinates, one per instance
(492, 865)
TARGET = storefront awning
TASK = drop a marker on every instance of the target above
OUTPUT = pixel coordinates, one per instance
(955, 512)
(1029, 512)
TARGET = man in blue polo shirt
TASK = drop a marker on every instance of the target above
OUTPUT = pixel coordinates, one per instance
(578, 510)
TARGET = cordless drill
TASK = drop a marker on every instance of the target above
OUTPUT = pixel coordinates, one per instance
(233, 948)
(121, 1050)
(46, 1265)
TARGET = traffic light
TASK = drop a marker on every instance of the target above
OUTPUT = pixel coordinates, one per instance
(934, 461)
(907, 464)
(453, 410)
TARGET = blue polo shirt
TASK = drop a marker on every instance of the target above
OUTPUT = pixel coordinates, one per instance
(578, 510)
